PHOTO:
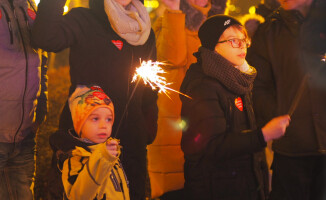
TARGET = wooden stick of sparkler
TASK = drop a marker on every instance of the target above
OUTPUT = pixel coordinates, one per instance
(149, 72)
(301, 88)
(298, 95)
(126, 108)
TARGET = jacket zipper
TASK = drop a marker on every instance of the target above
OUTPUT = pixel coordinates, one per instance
(26, 76)
(121, 184)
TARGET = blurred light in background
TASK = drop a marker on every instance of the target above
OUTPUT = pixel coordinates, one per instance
(65, 9)
(151, 4)
(37, 2)
(232, 8)
(183, 124)
(252, 10)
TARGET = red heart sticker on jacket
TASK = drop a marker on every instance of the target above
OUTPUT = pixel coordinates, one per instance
(238, 103)
(0, 14)
(31, 13)
(118, 44)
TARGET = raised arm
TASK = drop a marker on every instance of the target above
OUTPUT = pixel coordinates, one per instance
(53, 31)
(171, 36)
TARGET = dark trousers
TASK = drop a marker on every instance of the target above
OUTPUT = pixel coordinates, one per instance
(298, 178)
(173, 195)
(17, 168)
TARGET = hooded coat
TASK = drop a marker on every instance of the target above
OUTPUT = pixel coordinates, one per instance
(88, 170)
(223, 149)
(177, 40)
(277, 52)
(23, 81)
(98, 56)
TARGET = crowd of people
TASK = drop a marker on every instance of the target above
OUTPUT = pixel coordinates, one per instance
(122, 140)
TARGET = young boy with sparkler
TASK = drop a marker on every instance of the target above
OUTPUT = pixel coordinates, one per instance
(92, 170)
(223, 148)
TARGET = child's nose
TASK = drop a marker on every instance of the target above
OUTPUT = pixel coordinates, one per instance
(103, 124)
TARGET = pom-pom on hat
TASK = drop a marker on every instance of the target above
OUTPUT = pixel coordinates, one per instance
(84, 100)
(211, 30)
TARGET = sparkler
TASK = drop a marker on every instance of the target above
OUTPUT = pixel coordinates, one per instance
(301, 88)
(150, 73)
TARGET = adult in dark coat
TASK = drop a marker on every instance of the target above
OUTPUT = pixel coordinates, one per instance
(283, 55)
(106, 44)
(223, 148)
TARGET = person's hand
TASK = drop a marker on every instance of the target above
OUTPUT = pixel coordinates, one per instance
(112, 146)
(172, 4)
(276, 127)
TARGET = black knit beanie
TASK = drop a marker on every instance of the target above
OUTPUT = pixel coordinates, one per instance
(211, 30)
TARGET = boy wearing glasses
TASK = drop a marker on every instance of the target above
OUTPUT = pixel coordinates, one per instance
(223, 148)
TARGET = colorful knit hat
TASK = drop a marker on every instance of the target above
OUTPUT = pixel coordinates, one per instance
(84, 100)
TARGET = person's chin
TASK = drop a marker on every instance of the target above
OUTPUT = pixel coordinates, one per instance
(100, 140)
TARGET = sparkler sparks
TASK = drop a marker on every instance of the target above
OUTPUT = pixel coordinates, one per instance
(150, 72)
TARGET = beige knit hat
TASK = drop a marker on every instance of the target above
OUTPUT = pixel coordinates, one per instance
(84, 100)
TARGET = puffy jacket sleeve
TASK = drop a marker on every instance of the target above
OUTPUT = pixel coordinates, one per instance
(264, 91)
(208, 131)
(82, 177)
(53, 31)
(171, 38)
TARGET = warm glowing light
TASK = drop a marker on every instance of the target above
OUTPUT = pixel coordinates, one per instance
(232, 8)
(183, 124)
(150, 72)
(37, 2)
(252, 10)
(151, 3)
(65, 9)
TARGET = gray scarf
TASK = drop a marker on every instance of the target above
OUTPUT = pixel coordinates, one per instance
(216, 66)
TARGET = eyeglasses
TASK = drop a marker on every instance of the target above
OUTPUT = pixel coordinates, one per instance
(237, 43)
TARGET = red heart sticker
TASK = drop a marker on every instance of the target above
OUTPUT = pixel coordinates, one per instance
(238, 103)
(118, 44)
(31, 13)
(0, 14)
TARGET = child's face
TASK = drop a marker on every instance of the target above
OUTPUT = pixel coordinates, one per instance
(98, 126)
(235, 55)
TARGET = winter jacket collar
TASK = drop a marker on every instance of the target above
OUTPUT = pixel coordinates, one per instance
(291, 18)
(216, 66)
(97, 8)
(67, 141)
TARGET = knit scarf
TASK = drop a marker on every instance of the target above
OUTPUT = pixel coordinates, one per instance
(216, 66)
(131, 23)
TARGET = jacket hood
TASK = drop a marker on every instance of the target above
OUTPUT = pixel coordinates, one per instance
(194, 74)
(292, 19)
(67, 141)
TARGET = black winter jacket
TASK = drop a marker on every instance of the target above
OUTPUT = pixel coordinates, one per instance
(95, 59)
(281, 64)
(220, 141)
